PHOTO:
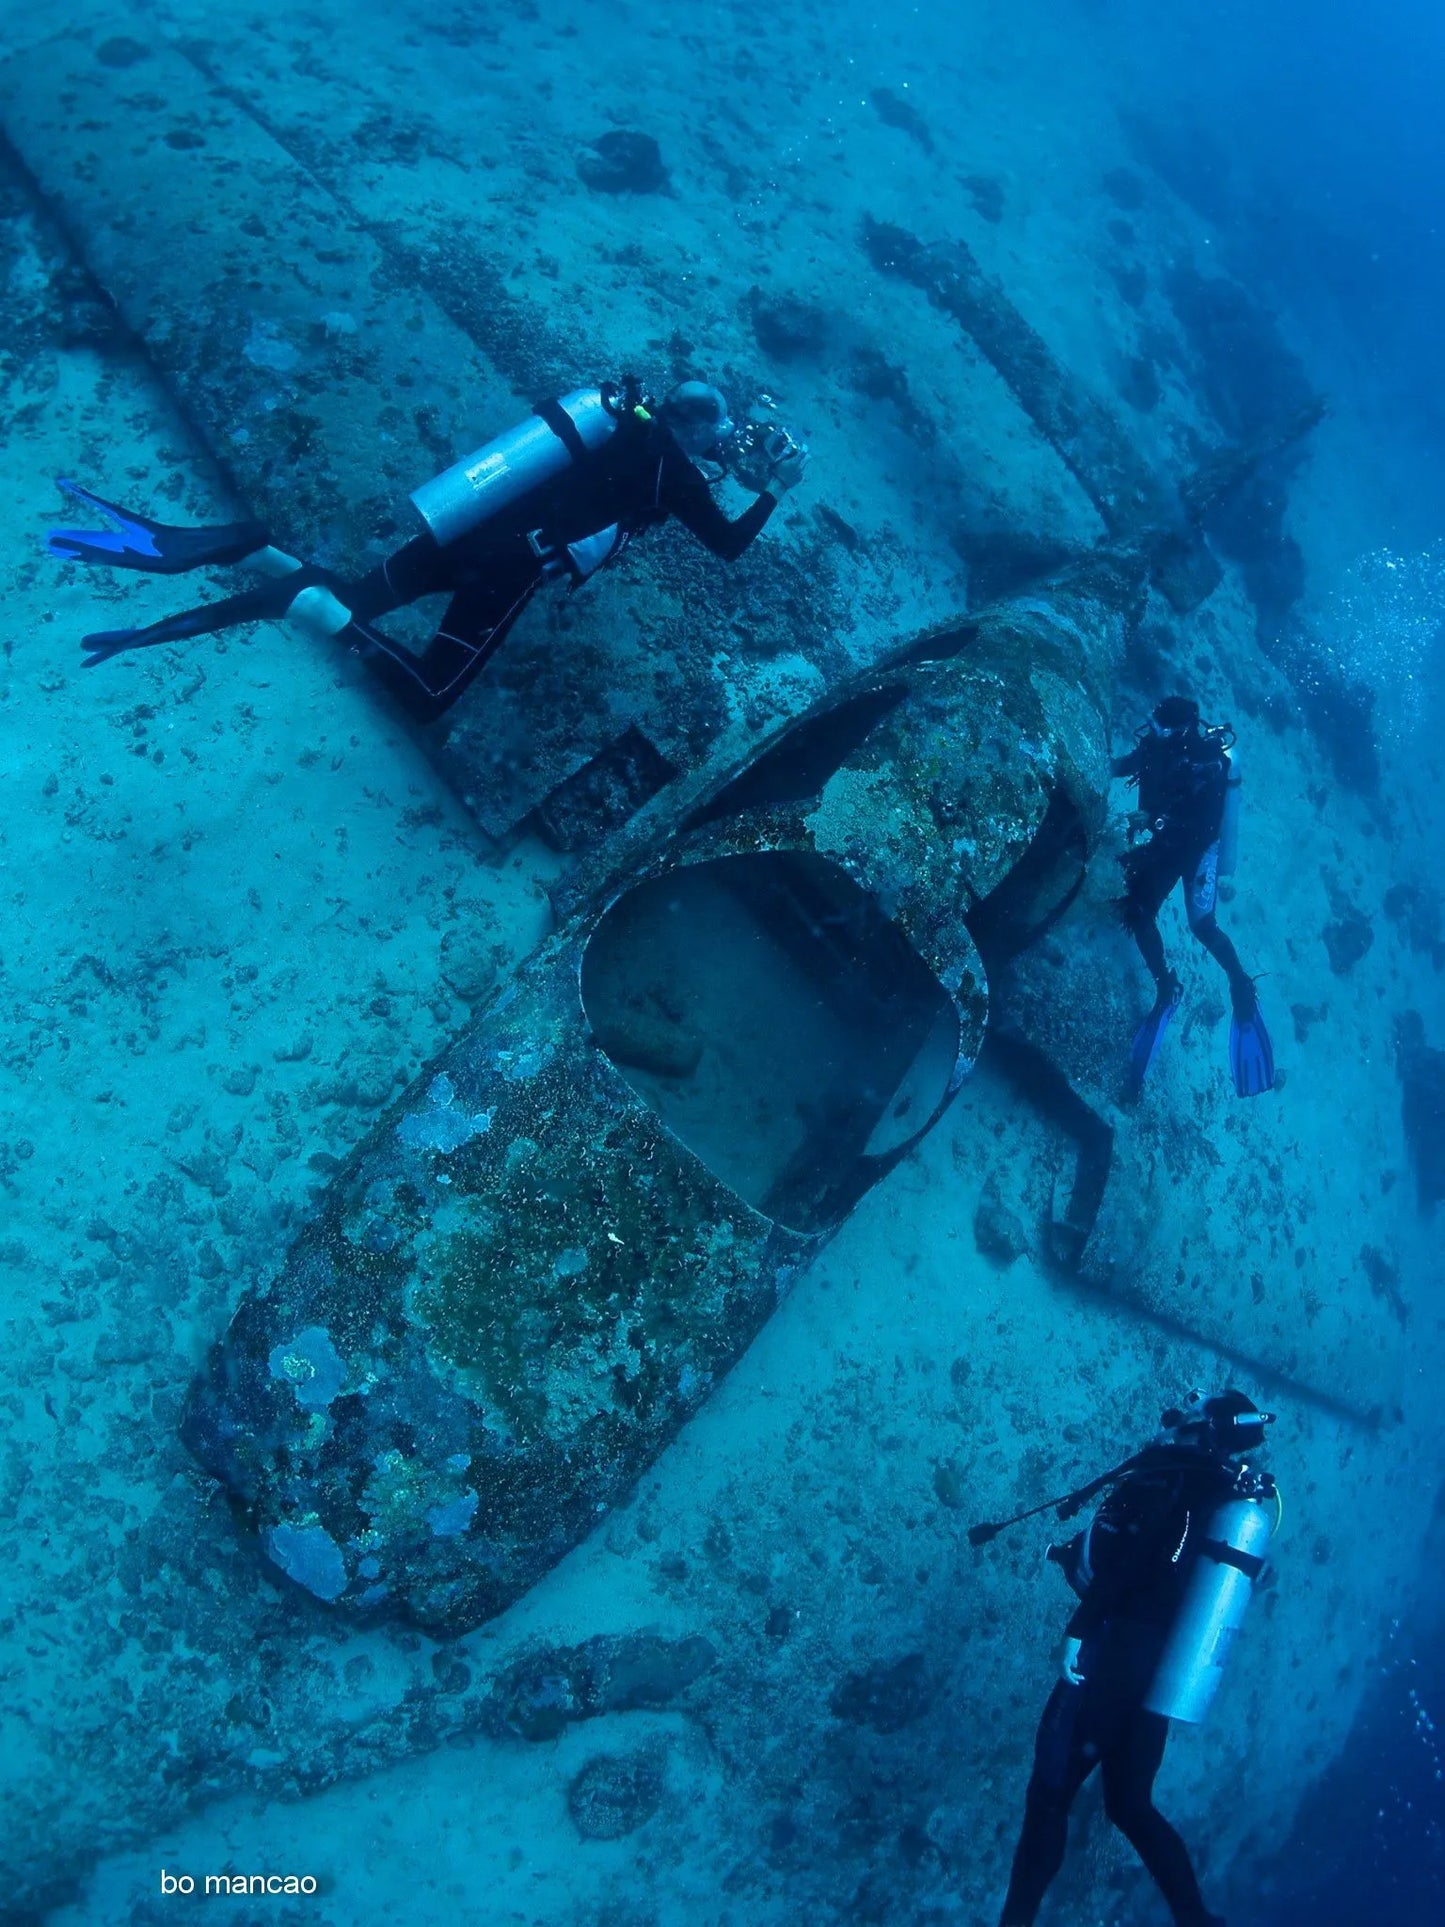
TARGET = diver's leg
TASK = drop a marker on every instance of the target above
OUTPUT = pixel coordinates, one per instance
(418, 568)
(1130, 1764)
(476, 623)
(1241, 984)
(1143, 928)
(1062, 1762)
(1251, 1053)
(489, 592)
(1150, 874)
(269, 602)
(1201, 896)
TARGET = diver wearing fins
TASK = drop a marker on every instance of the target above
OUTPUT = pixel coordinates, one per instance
(1189, 796)
(1163, 1575)
(557, 497)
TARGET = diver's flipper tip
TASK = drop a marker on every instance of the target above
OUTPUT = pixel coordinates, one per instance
(1251, 1055)
(1148, 1039)
(106, 643)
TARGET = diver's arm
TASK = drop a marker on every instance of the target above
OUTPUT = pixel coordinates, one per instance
(1096, 1605)
(1069, 1559)
(686, 495)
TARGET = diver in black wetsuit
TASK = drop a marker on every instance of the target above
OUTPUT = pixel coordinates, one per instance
(573, 523)
(1181, 768)
(1130, 1569)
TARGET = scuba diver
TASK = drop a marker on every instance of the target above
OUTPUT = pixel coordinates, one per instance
(1189, 796)
(1163, 1575)
(556, 498)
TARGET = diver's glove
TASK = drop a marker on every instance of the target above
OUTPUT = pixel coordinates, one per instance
(789, 461)
(1069, 1662)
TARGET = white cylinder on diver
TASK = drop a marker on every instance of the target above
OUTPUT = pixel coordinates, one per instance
(1229, 823)
(1227, 1562)
(512, 464)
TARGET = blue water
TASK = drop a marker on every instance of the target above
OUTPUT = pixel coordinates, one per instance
(245, 906)
(1327, 128)
(1324, 123)
(1370, 1842)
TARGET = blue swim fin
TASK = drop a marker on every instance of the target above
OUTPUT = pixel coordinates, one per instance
(1149, 1036)
(1251, 1055)
(155, 547)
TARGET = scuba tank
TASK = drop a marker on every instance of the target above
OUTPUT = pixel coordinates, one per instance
(1229, 825)
(1226, 1563)
(554, 436)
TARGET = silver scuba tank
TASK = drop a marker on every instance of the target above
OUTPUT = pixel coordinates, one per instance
(513, 464)
(1229, 825)
(1227, 1562)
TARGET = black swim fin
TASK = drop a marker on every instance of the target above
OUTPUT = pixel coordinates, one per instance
(266, 603)
(155, 547)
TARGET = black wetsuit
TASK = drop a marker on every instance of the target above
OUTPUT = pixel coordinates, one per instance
(633, 482)
(1129, 1570)
(1182, 781)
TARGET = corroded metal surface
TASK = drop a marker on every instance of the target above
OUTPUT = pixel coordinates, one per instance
(1134, 504)
(1089, 438)
(523, 1283)
(513, 1297)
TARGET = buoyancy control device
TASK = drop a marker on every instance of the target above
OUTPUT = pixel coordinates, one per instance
(1227, 1560)
(554, 436)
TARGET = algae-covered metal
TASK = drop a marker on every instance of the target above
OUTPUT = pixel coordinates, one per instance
(553, 1246)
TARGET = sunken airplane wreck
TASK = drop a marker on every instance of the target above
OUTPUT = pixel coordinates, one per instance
(552, 1247)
